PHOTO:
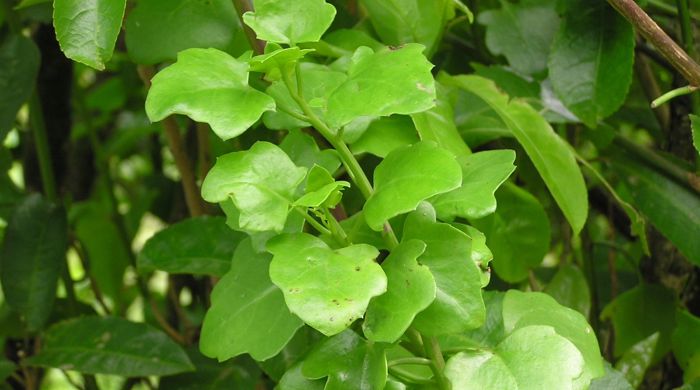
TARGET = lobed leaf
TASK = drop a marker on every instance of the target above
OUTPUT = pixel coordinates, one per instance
(290, 22)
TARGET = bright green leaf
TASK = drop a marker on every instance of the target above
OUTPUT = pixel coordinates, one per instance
(87, 29)
(261, 181)
(209, 86)
(522, 32)
(349, 362)
(156, 30)
(202, 246)
(458, 305)
(408, 176)
(376, 86)
(570, 288)
(304, 151)
(290, 22)
(481, 254)
(248, 313)
(482, 174)
(612, 380)
(386, 134)
(550, 154)
(518, 233)
(19, 64)
(327, 289)
(277, 59)
(591, 62)
(32, 257)
(111, 345)
(294, 379)
(685, 341)
(637, 359)
(411, 289)
(321, 189)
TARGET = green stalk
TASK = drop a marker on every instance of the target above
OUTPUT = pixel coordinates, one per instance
(672, 94)
(36, 117)
(410, 361)
(433, 352)
(320, 228)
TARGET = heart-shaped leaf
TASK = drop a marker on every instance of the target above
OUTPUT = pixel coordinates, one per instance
(209, 86)
(327, 289)
(377, 87)
(482, 174)
(261, 181)
(406, 177)
(247, 313)
(290, 22)
(458, 305)
(411, 289)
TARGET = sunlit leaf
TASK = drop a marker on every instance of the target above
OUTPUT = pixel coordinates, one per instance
(290, 22)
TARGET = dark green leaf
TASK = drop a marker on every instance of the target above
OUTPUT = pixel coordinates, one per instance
(327, 289)
(349, 362)
(32, 257)
(637, 359)
(550, 154)
(6, 369)
(248, 313)
(482, 174)
(111, 345)
(202, 246)
(685, 341)
(87, 29)
(209, 86)
(458, 305)
(19, 64)
(294, 379)
(570, 288)
(156, 30)
(377, 87)
(290, 22)
(591, 61)
(518, 233)
(236, 374)
(406, 177)
(261, 181)
(411, 289)
(302, 149)
(695, 127)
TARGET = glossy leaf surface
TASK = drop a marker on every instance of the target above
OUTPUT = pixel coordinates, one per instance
(385, 135)
(327, 289)
(438, 125)
(408, 176)
(87, 29)
(290, 22)
(411, 289)
(32, 257)
(209, 86)
(637, 359)
(110, 345)
(248, 313)
(549, 153)
(261, 181)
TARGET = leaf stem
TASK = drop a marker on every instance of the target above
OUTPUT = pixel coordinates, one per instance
(320, 228)
(335, 227)
(672, 94)
(36, 116)
(410, 360)
(243, 6)
(408, 377)
(433, 352)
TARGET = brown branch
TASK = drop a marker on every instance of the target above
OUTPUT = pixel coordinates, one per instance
(646, 26)
(195, 204)
(243, 6)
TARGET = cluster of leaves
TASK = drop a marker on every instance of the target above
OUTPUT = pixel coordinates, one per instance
(301, 272)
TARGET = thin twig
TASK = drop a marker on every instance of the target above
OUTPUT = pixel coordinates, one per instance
(243, 6)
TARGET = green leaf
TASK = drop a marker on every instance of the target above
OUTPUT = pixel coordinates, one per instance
(294, 379)
(327, 289)
(550, 154)
(404, 21)
(518, 233)
(522, 310)
(111, 345)
(695, 127)
(482, 174)
(276, 59)
(458, 305)
(6, 369)
(612, 380)
(591, 62)
(239, 374)
(321, 189)
(377, 87)
(32, 257)
(406, 177)
(156, 30)
(201, 246)
(481, 254)
(522, 32)
(302, 149)
(637, 359)
(28, 3)
(290, 22)
(385, 135)
(670, 207)
(209, 86)
(261, 181)
(438, 125)
(533, 357)
(19, 64)
(87, 29)
(349, 362)
(411, 289)
(640, 312)
(248, 313)
(570, 288)
(685, 341)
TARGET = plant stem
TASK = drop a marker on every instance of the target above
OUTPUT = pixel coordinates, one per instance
(243, 6)
(36, 116)
(410, 360)
(672, 94)
(195, 204)
(335, 227)
(433, 352)
(667, 46)
(320, 228)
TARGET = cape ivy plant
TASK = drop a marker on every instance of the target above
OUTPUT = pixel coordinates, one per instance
(398, 285)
